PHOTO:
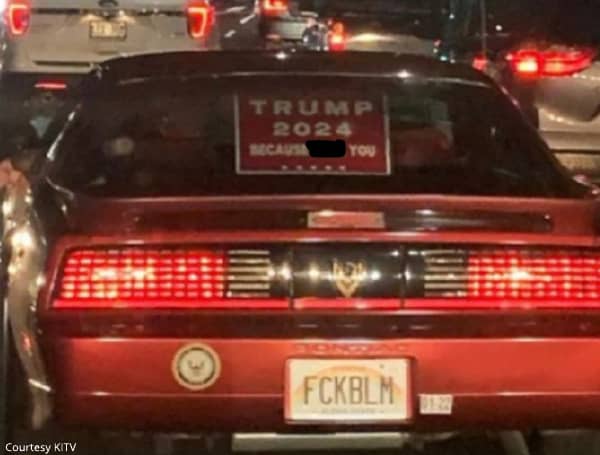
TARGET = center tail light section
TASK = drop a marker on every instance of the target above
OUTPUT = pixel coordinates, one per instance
(551, 62)
(201, 18)
(504, 278)
(274, 7)
(17, 17)
(170, 278)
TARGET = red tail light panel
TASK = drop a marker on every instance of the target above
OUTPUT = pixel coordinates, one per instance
(508, 279)
(166, 278)
(518, 275)
(17, 17)
(201, 18)
(550, 62)
(326, 277)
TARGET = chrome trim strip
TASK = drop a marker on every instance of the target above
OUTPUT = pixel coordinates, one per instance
(257, 261)
(249, 252)
(256, 270)
(249, 286)
(24, 238)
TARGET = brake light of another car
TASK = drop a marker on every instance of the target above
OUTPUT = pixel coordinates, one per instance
(480, 62)
(552, 62)
(274, 7)
(51, 85)
(201, 17)
(337, 37)
(17, 17)
(166, 278)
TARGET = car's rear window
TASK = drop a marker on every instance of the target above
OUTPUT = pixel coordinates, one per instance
(248, 136)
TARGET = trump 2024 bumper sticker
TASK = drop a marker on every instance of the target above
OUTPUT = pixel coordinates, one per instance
(272, 131)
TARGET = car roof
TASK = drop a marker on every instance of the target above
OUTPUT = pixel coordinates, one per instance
(182, 65)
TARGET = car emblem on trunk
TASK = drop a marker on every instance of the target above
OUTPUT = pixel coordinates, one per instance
(348, 276)
(196, 366)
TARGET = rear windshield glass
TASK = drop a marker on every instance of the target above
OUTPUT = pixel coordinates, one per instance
(232, 137)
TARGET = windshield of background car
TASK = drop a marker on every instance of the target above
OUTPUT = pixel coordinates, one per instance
(248, 136)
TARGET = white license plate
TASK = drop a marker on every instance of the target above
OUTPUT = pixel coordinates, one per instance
(349, 390)
(108, 30)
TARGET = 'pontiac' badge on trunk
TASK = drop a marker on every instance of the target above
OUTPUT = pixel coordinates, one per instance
(348, 276)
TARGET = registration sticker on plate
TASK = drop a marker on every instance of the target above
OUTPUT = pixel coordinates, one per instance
(108, 30)
(349, 390)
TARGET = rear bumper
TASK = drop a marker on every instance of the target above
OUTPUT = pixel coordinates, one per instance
(25, 56)
(128, 383)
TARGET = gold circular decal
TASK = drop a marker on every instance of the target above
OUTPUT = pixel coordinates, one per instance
(196, 366)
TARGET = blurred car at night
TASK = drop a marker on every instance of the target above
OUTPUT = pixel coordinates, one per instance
(48, 43)
(547, 54)
(407, 26)
(185, 265)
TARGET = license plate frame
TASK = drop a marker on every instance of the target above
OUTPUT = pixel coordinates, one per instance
(104, 30)
(403, 415)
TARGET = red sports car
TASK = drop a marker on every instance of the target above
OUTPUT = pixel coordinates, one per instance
(185, 264)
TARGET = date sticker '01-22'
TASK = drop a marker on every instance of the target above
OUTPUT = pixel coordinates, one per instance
(432, 404)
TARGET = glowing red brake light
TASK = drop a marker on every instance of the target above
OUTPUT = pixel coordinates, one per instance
(511, 279)
(17, 16)
(514, 275)
(480, 62)
(51, 85)
(553, 62)
(274, 7)
(155, 278)
(201, 17)
(337, 37)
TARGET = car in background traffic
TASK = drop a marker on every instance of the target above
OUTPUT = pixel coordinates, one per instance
(439, 275)
(48, 43)
(546, 53)
(407, 26)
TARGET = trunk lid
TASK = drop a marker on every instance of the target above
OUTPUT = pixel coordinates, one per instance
(94, 30)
